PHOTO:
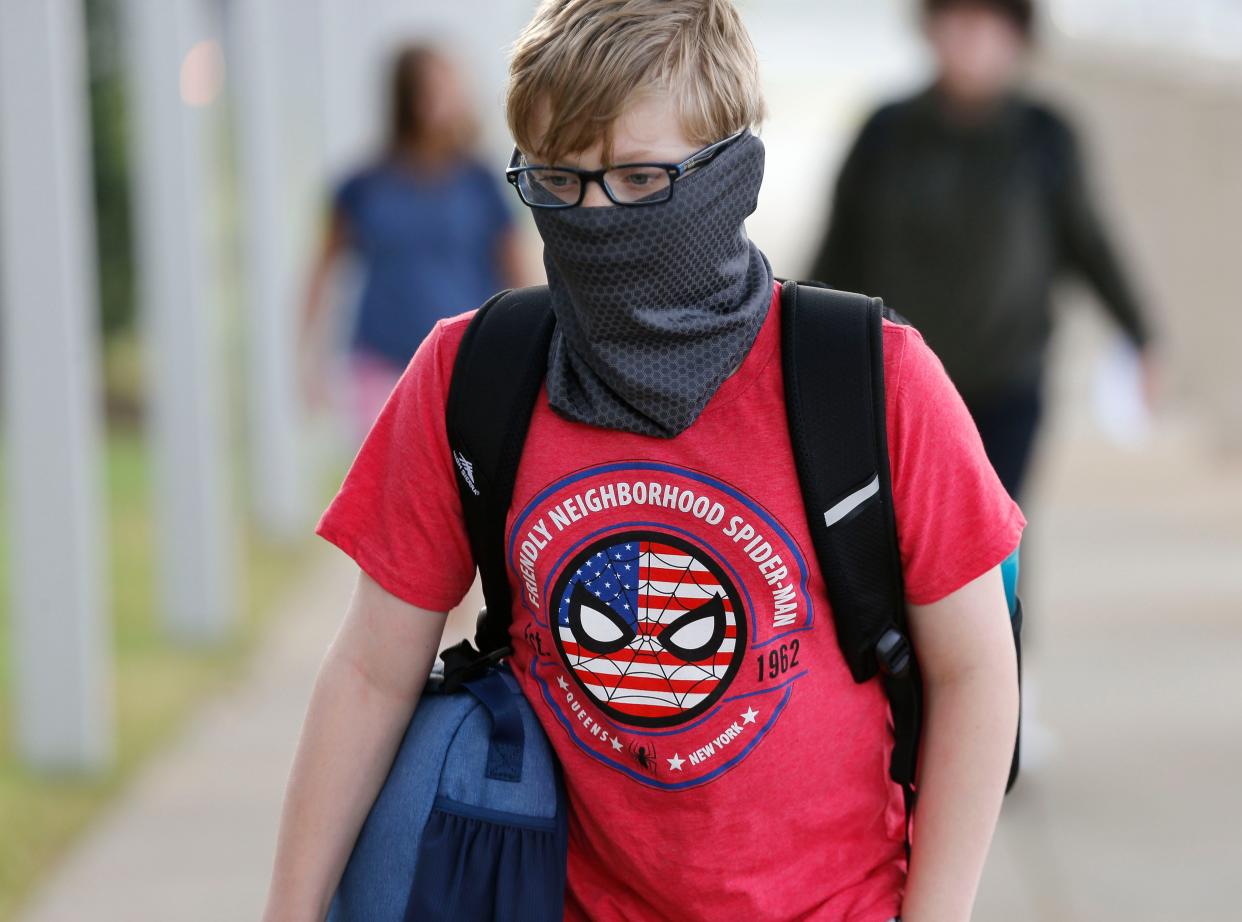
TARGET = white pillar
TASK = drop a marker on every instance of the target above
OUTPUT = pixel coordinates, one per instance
(347, 98)
(277, 89)
(61, 637)
(273, 261)
(181, 317)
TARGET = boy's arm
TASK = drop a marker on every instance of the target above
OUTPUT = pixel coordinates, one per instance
(966, 652)
(364, 696)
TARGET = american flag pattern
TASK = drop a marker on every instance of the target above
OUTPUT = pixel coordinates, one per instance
(650, 627)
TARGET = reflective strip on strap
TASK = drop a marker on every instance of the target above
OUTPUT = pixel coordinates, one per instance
(852, 502)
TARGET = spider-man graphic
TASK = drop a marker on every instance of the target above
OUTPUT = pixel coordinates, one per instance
(650, 626)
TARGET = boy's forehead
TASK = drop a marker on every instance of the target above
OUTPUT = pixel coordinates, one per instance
(649, 129)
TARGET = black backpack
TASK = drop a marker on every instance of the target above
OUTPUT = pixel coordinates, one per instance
(833, 363)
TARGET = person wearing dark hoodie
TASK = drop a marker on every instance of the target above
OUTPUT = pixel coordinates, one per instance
(961, 206)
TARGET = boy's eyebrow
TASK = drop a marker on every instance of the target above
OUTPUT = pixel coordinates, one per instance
(636, 156)
(617, 159)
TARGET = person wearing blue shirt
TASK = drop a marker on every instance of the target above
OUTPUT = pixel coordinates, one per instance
(427, 224)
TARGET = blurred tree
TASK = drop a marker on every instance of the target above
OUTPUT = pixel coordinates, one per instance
(109, 155)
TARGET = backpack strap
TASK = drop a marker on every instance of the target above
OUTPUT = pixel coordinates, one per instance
(497, 378)
(834, 380)
(833, 362)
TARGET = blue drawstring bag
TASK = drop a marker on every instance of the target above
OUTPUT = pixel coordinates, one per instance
(471, 823)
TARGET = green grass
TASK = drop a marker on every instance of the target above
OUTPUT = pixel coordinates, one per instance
(156, 682)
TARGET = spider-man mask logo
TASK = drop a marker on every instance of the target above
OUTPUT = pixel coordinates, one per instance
(650, 626)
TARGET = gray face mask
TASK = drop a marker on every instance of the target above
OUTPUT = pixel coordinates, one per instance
(656, 305)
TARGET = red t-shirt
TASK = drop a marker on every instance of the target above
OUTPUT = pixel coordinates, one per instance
(673, 633)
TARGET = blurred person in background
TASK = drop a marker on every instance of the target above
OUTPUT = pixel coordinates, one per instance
(960, 206)
(428, 224)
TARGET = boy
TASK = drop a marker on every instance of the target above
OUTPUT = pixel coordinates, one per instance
(962, 204)
(659, 541)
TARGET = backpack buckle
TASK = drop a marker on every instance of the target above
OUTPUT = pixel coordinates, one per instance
(462, 662)
(893, 653)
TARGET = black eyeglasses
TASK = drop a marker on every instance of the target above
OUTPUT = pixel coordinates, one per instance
(628, 184)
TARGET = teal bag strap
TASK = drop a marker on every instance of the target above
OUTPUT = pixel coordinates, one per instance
(1010, 569)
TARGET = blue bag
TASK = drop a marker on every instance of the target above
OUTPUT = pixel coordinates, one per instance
(471, 823)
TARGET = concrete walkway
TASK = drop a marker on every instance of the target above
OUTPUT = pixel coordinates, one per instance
(1126, 812)
(192, 839)
(1134, 635)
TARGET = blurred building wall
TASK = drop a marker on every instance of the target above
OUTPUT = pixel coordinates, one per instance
(1165, 138)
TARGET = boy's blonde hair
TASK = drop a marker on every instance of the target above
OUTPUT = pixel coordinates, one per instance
(579, 64)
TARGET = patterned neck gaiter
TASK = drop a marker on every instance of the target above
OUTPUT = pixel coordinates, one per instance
(657, 305)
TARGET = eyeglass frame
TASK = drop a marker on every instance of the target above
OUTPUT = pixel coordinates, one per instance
(675, 172)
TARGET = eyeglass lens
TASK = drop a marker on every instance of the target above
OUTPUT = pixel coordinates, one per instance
(625, 184)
